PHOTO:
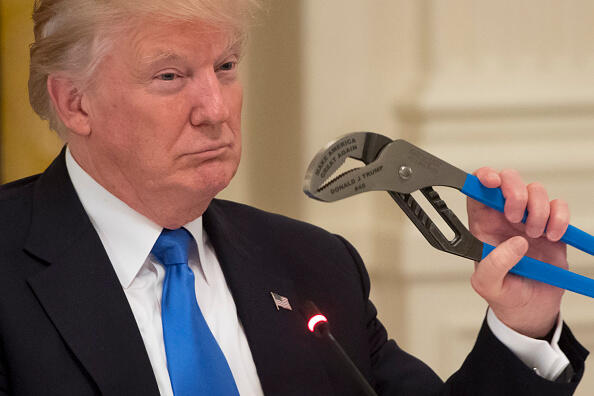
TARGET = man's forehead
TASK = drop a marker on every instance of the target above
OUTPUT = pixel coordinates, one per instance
(149, 51)
(164, 40)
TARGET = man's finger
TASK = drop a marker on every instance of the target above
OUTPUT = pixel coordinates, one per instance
(558, 220)
(490, 273)
(538, 210)
(488, 177)
(515, 193)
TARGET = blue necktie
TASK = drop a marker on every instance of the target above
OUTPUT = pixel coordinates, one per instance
(195, 361)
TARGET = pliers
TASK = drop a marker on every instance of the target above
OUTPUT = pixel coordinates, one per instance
(400, 168)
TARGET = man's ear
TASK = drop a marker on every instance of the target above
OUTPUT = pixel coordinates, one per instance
(69, 104)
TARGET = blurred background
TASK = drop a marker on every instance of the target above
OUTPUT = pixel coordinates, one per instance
(475, 82)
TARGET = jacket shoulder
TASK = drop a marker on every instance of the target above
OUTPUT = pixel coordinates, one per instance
(306, 246)
(15, 212)
(17, 189)
(262, 222)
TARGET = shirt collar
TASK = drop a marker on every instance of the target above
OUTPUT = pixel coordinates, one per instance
(127, 236)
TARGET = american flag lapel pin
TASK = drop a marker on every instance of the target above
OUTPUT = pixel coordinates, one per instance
(281, 301)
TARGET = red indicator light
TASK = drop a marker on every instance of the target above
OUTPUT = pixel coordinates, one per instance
(311, 325)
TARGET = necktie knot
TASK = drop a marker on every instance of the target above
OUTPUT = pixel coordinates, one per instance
(171, 247)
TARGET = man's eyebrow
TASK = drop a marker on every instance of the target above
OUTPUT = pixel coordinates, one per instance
(235, 47)
(157, 57)
(147, 63)
(161, 56)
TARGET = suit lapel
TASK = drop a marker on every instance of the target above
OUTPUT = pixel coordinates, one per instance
(80, 292)
(283, 351)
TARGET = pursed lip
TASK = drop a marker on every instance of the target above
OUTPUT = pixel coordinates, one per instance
(209, 152)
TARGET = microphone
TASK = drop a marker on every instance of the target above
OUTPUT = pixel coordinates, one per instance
(318, 324)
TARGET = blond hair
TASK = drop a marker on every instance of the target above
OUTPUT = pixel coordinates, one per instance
(73, 36)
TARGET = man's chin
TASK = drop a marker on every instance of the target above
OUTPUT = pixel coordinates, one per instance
(209, 187)
(196, 184)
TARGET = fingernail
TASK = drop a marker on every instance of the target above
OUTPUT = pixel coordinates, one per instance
(518, 245)
(532, 232)
(513, 218)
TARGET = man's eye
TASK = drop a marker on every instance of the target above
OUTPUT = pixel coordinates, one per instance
(167, 76)
(227, 66)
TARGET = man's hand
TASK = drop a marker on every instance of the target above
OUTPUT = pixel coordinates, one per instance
(527, 306)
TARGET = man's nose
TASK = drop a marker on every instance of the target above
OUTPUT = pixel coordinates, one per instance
(210, 105)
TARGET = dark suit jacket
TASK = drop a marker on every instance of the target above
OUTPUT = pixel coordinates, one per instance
(66, 327)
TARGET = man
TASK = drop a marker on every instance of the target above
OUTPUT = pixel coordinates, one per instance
(146, 95)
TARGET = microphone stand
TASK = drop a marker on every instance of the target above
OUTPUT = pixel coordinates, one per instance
(318, 325)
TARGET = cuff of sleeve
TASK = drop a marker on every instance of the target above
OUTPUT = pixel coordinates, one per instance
(547, 360)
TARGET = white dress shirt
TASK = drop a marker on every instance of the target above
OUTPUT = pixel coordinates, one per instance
(546, 359)
(128, 238)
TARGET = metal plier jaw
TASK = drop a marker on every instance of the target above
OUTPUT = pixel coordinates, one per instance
(401, 168)
(391, 165)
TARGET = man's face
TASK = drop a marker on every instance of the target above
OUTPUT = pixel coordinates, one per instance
(165, 113)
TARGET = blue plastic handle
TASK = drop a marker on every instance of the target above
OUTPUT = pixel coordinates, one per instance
(547, 273)
(493, 198)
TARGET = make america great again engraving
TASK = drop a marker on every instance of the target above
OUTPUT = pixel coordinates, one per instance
(334, 154)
